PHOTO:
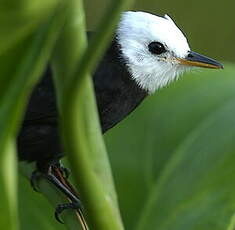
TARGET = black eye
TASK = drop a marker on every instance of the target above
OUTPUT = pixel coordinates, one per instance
(156, 48)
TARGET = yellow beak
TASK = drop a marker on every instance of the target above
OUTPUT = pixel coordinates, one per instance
(195, 59)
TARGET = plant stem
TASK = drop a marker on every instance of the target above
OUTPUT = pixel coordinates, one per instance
(83, 140)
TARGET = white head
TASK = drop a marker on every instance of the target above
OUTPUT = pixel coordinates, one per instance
(155, 50)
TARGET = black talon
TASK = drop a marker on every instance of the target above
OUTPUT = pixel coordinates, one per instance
(34, 178)
(61, 207)
(56, 174)
(57, 216)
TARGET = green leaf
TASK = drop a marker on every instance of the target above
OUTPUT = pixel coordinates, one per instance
(174, 158)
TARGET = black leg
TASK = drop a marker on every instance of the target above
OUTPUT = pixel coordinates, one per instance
(34, 179)
(61, 207)
(65, 171)
(57, 175)
(36, 175)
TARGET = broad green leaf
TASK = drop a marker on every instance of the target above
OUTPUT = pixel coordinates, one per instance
(174, 157)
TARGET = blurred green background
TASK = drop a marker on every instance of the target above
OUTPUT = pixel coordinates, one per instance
(209, 25)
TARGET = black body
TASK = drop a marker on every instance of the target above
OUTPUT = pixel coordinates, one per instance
(117, 95)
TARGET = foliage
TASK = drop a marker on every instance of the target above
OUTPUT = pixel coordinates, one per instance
(173, 159)
(21, 63)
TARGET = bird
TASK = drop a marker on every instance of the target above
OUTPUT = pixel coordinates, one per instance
(147, 53)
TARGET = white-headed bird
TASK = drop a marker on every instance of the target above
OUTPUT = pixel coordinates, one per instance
(147, 53)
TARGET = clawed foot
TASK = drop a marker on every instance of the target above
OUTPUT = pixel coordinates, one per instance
(35, 177)
(61, 207)
(38, 174)
(57, 175)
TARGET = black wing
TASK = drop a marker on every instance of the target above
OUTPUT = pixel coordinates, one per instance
(42, 103)
(39, 137)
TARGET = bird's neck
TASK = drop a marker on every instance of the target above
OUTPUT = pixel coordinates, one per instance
(116, 92)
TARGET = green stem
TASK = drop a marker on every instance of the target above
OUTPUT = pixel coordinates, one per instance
(49, 36)
(8, 186)
(97, 46)
(83, 140)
